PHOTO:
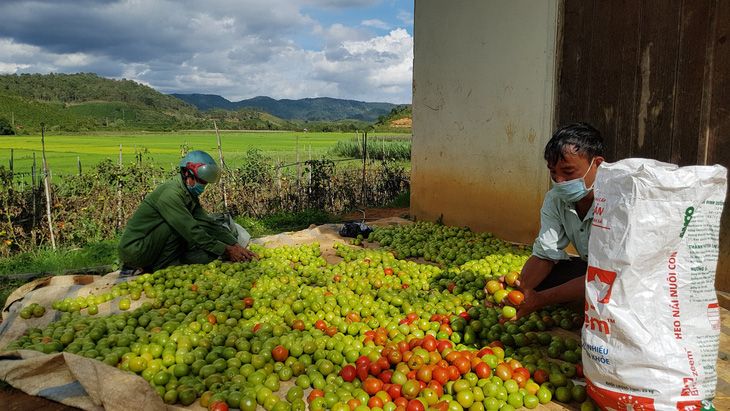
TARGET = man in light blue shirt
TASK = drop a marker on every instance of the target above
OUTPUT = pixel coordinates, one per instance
(550, 275)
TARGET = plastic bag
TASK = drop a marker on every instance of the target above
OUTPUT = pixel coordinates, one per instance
(652, 320)
(354, 229)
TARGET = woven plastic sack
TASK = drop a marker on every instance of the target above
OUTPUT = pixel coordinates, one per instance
(652, 321)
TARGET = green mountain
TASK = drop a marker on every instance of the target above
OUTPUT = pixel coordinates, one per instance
(308, 109)
(85, 101)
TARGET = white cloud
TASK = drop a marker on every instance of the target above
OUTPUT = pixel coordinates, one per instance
(406, 17)
(237, 49)
(378, 24)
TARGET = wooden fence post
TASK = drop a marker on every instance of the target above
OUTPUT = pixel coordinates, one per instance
(223, 168)
(363, 194)
(48, 188)
(78, 161)
(119, 190)
(299, 170)
(34, 189)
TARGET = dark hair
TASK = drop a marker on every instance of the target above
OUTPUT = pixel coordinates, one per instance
(578, 138)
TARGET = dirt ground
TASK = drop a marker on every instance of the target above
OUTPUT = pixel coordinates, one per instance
(371, 214)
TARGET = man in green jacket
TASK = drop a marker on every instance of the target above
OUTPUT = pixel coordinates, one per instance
(170, 226)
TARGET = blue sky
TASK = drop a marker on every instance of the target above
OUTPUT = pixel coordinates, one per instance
(351, 49)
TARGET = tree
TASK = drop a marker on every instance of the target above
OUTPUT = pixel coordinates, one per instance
(6, 129)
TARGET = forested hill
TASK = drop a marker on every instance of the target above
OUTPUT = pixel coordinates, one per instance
(88, 87)
(309, 109)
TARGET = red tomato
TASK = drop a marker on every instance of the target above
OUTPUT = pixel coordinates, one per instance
(394, 391)
(383, 363)
(465, 316)
(348, 373)
(372, 385)
(320, 325)
(415, 405)
(541, 376)
(280, 353)
(218, 406)
(362, 371)
(515, 297)
(388, 271)
(385, 376)
(482, 370)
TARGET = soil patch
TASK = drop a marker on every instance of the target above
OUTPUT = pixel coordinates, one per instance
(371, 214)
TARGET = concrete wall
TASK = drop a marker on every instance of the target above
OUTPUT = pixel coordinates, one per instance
(483, 108)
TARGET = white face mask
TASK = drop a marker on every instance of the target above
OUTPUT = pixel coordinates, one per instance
(573, 190)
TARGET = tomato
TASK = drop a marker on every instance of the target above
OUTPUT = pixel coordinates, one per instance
(511, 278)
(279, 353)
(347, 373)
(424, 374)
(331, 330)
(482, 370)
(218, 406)
(383, 363)
(415, 405)
(320, 325)
(544, 395)
(385, 376)
(388, 271)
(440, 374)
(314, 394)
(375, 401)
(362, 371)
(541, 376)
(496, 344)
(410, 389)
(579, 370)
(415, 362)
(521, 370)
(394, 391)
(429, 344)
(484, 352)
(465, 316)
(395, 356)
(374, 369)
(503, 371)
(462, 364)
(437, 387)
(515, 297)
(454, 373)
(363, 359)
(372, 385)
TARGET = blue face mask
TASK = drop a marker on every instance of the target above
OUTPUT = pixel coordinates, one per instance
(197, 189)
(573, 190)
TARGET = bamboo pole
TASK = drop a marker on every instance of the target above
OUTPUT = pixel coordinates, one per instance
(48, 188)
(299, 166)
(33, 184)
(119, 190)
(363, 195)
(223, 167)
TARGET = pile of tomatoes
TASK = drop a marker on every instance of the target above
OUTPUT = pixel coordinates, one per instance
(372, 332)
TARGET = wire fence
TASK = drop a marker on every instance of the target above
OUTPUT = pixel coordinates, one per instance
(94, 204)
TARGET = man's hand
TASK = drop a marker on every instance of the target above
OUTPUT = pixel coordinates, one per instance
(237, 252)
(531, 303)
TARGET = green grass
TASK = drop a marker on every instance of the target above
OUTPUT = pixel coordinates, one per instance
(163, 148)
(282, 222)
(402, 201)
(47, 262)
